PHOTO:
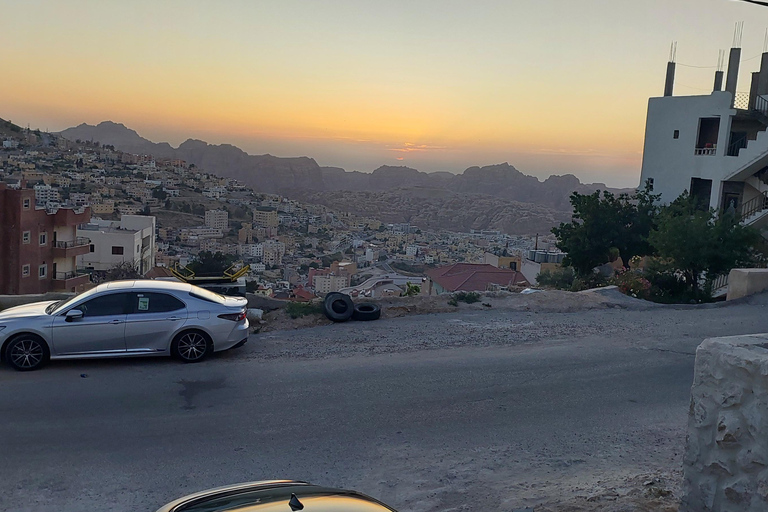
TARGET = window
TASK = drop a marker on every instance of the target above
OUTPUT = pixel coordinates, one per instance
(92, 248)
(155, 303)
(43, 238)
(117, 249)
(25, 203)
(25, 237)
(42, 271)
(104, 305)
(676, 135)
(25, 271)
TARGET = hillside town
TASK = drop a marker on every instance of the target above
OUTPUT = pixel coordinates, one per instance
(87, 208)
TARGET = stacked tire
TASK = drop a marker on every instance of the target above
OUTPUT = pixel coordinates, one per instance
(338, 307)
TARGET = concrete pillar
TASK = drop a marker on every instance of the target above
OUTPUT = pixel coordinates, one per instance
(732, 79)
(726, 456)
(669, 85)
(718, 81)
(753, 89)
(762, 87)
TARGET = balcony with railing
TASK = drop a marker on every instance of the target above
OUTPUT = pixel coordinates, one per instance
(705, 151)
(70, 248)
(69, 281)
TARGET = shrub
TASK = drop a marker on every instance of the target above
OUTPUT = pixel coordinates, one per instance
(596, 280)
(560, 278)
(299, 309)
(468, 297)
(632, 283)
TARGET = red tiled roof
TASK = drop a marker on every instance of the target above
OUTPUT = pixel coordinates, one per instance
(156, 272)
(473, 277)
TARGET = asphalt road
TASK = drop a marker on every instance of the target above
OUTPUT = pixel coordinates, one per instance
(489, 420)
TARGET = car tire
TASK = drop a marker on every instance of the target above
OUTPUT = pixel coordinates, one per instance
(338, 307)
(191, 346)
(26, 352)
(366, 311)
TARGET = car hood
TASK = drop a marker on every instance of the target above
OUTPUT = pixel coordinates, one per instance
(34, 309)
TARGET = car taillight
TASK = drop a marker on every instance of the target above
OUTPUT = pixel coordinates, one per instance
(235, 317)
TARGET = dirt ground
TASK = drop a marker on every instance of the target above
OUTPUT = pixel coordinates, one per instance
(543, 302)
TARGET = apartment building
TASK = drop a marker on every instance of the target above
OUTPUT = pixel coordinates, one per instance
(714, 146)
(39, 246)
(272, 252)
(217, 219)
(265, 217)
(131, 239)
(328, 283)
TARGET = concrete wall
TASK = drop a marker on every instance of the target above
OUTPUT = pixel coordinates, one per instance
(746, 281)
(726, 459)
(671, 162)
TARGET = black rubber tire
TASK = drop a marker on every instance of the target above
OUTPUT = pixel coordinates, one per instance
(338, 307)
(20, 349)
(367, 311)
(191, 346)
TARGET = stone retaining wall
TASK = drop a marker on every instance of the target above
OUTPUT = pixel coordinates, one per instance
(746, 281)
(726, 460)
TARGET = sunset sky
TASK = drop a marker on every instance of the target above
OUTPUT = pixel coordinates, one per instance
(551, 86)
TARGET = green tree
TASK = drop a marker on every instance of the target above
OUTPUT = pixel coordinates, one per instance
(411, 290)
(604, 222)
(211, 263)
(697, 242)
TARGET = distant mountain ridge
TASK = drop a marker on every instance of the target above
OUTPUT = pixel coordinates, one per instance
(490, 197)
(287, 176)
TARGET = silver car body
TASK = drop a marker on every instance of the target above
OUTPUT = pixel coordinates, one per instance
(156, 312)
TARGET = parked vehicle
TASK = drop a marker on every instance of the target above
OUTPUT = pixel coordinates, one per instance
(286, 495)
(124, 318)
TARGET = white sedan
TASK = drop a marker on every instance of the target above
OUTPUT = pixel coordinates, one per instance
(124, 318)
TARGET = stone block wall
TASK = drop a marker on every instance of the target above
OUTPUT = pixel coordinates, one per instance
(726, 460)
(746, 281)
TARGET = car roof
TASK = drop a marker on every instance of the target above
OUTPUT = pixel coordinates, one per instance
(276, 496)
(145, 284)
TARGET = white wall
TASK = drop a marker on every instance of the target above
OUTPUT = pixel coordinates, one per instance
(671, 162)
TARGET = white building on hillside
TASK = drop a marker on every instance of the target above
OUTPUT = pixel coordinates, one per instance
(714, 146)
(131, 239)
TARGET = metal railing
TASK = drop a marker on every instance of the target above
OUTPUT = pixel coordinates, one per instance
(63, 276)
(720, 281)
(761, 105)
(77, 242)
(705, 151)
(736, 145)
(754, 205)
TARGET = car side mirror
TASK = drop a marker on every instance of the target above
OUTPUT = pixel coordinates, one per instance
(73, 314)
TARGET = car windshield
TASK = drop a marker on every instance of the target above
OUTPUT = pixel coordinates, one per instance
(63, 304)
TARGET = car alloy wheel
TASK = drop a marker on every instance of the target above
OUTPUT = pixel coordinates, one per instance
(26, 353)
(192, 347)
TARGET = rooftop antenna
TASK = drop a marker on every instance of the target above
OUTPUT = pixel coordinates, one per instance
(673, 52)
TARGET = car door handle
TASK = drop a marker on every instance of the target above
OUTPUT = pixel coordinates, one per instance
(116, 322)
(173, 318)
